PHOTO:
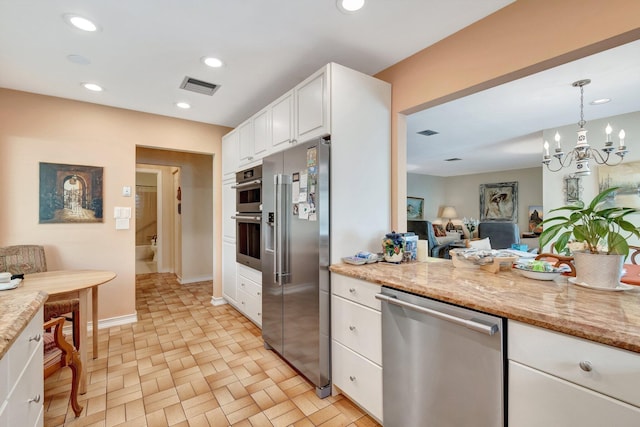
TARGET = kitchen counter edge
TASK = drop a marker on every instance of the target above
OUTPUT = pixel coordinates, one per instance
(17, 311)
(610, 318)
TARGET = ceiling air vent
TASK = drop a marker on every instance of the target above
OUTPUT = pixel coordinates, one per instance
(428, 132)
(453, 159)
(198, 86)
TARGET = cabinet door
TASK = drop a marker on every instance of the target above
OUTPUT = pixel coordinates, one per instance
(261, 132)
(245, 135)
(229, 270)
(282, 121)
(538, 399)
(228, 210)
(230, 154)
(312, 107)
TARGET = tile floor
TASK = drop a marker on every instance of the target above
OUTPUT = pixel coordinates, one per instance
(187, 363)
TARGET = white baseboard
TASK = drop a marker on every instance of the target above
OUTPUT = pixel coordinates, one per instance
(115, 321)
(194, 279)
(105, 323)
(215, 301)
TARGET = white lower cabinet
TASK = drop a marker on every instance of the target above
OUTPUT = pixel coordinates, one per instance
(229, 270)
(560, 380)
(249, 297)
(356, 328)
(22, 387)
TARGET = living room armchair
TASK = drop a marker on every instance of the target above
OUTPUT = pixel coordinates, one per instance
(424, 230)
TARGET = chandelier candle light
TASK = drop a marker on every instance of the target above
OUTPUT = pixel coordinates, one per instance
(582, 152)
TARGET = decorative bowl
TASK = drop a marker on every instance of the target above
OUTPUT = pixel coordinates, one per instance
(538, 275)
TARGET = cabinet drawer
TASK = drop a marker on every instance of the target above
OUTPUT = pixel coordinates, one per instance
(251, 306)
(538, 399)
(614, 372)
(249, 286)
(250, 273)
(356, 290)
(27, 342)
(4, 379)
(25, 402)
(357, 327)
(357, 377)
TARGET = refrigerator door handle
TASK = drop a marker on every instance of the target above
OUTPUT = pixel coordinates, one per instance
(277, 241)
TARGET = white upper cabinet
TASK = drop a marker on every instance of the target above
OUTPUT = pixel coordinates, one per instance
(230, 154)
(312, 102)
(245, 142)
(282, 121)
(261, 132)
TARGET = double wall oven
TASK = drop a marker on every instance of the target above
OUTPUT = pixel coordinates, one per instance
(249, 216)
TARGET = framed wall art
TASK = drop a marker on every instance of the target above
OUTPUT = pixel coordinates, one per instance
(499, 202)
(415, 207)
(572, 189)
(70, 193)
(627, 177)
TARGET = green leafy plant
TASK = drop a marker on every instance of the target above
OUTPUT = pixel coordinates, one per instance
(592, 225)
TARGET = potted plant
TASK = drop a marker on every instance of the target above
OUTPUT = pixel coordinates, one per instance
(602, 233)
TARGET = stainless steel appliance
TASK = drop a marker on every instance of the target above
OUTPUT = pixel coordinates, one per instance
(443, 364)
(248, 236)
(295, 259)
(249, 217)
(249, 190)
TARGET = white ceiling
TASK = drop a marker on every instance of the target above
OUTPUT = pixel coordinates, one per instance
(501, 128)
(145, 48)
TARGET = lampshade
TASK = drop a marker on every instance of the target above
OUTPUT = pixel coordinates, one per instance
(449, 212)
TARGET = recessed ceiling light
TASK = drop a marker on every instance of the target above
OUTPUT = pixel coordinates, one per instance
(600, 101)
(81, 23)
(183, 105)
(350, 6)
(92, 87)
(212, 62)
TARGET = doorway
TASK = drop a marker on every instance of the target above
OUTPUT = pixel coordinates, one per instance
(148, 211)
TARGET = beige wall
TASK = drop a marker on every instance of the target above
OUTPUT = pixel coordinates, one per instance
(35, 128)
(463, 192)
(523, 38)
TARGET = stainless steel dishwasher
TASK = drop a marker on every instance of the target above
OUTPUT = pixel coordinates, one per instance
(443, 365)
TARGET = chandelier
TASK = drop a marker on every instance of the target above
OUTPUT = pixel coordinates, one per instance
(582, 153)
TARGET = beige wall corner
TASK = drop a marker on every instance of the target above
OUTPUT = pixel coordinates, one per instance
(523, 38)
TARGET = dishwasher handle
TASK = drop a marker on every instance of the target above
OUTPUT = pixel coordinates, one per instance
(488, 329)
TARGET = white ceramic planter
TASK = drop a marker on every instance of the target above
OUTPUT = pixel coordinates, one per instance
(598, 270)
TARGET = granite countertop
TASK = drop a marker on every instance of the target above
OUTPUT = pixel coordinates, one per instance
(16, 311)
(611, 318)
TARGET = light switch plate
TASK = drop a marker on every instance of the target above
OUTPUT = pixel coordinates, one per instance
(126, 191)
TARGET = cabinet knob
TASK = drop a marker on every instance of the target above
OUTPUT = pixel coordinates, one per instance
(242, 302)
(352, 378)
(250, 158)
(586, 366)
(352, 328)
(259, 294)
(35, 338)
(259, 314)
(352, 290)
(35, 399)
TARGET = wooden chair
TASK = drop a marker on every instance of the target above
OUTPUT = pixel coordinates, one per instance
(26, 259)
(58, 353)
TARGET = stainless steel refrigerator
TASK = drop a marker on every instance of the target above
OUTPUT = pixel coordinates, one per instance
(295, 259)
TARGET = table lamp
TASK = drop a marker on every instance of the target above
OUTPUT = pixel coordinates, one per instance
(449, 212)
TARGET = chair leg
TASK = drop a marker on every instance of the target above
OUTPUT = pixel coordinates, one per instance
(75, 321)
(76, 368)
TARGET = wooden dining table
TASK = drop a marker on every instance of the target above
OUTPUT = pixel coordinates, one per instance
(68, 281)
